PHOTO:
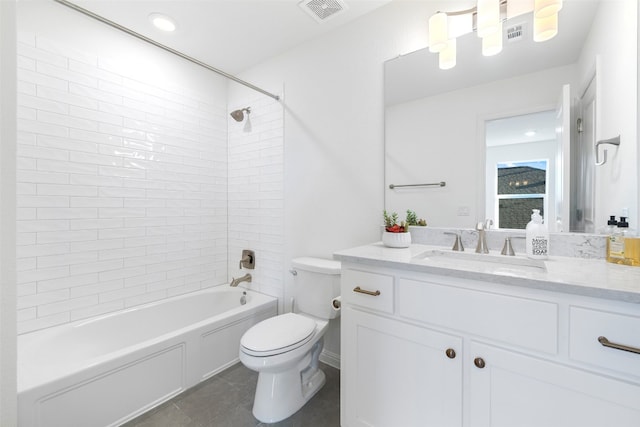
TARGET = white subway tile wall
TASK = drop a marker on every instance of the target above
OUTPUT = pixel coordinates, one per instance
(122, 187)
(256, 194)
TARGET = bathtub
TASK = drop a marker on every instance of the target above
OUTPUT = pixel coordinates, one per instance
(107, 370)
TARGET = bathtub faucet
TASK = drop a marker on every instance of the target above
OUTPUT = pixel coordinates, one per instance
(236, 282)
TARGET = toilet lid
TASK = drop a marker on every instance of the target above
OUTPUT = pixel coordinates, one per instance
(278, 334)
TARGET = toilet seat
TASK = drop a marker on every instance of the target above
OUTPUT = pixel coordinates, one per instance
(277, 335)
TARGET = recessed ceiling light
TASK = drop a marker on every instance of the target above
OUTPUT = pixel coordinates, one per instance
(162, 22)
(530, 133)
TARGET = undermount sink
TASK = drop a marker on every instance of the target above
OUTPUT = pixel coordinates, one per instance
(494, 263)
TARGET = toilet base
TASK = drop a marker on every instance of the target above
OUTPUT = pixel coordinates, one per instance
(279, 395)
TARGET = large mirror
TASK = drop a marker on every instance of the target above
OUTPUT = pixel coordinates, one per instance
(520, 130)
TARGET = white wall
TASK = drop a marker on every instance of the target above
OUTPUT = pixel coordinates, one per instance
(429, 135)
(8, 397)
(122, 170)
(334, 132)
(616, 181)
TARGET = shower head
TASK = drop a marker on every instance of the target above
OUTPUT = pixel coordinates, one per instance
(238, 115)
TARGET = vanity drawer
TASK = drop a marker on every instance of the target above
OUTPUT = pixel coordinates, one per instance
(586, 325)
(526, 322)
(370, 290)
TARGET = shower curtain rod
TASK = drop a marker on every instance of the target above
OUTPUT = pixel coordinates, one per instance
(161, 46)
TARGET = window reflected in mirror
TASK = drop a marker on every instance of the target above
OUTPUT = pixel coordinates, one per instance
(522, 186)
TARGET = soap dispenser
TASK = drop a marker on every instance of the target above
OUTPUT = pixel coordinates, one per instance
(615, 242)
(537, 239)
(632, 248)
(611, 226)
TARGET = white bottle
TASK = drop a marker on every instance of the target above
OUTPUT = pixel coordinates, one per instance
(537, 242)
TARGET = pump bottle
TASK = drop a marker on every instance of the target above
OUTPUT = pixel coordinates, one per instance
(615, 242)
(611, 226)
(631, 245)
(537, 238)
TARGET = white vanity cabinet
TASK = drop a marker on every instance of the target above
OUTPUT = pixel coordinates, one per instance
(394, 373)
(427, 350)
(513, 389)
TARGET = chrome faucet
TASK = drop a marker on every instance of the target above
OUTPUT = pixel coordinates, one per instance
(457, 245)
(507, 249)
(481, 227)
(236, 282)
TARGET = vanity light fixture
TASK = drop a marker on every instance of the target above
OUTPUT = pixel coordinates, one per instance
(162, 22)
(487, 18)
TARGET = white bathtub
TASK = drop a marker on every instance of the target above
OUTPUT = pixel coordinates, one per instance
(110, 369)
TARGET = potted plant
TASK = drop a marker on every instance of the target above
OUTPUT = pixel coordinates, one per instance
(412, 219)
(395, 235)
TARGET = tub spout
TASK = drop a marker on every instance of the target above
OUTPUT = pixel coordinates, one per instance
(236, 282)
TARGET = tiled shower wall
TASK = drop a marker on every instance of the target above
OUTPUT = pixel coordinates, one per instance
(256, 194)
(122, 186)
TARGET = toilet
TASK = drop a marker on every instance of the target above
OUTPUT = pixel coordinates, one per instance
(284, 349)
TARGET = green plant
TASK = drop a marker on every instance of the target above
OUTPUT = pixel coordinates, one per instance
(390, 220)
(412, 219)
(391, 223)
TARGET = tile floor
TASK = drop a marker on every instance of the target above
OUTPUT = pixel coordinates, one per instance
(226, 399)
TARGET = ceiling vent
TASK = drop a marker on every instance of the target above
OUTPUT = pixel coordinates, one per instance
(515, 33)
(322, 10)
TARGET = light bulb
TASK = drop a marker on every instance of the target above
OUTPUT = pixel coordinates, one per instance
(545, 28)
(488, 17)
(162, 22)
(545, 8)
(438, 32)
(447, 56)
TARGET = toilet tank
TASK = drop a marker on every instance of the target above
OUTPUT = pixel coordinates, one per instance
(316, 283)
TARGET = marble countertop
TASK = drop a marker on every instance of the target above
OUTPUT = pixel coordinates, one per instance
(588, 277)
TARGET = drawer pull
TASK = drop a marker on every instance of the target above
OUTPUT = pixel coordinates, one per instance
(451, 353)
(605, 342)
(479, 362)
(366, 292)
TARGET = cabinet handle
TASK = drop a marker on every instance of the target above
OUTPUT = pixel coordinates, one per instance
(606, 343)
(479, 362)
(366, 292)
(451, 353)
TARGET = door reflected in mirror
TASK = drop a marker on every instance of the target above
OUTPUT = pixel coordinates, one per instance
(521, 156)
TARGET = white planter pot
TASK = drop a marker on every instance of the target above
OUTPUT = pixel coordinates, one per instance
(396, 240)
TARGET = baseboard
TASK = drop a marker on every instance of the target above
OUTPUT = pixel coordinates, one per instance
(330, 359)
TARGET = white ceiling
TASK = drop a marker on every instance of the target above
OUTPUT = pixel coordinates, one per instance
(231, 35)
(512, 130)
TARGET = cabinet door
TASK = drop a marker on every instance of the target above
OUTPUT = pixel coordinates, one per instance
(517, 390)
(395, 374)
